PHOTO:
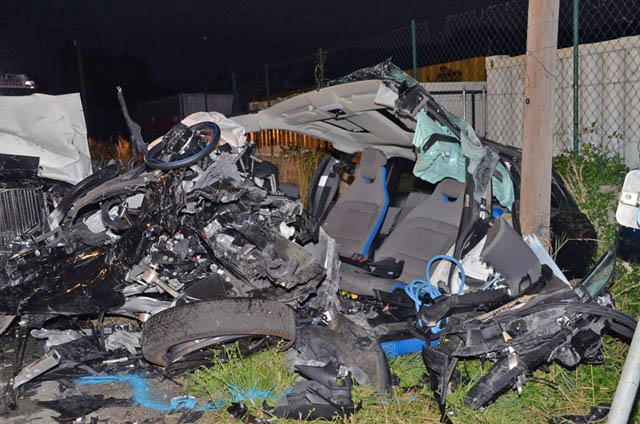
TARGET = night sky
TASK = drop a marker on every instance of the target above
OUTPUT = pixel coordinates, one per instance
(157, 47)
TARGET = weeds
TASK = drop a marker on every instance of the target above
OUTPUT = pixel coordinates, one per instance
(409, 369)
(260, 377)
(107, 150)
(296, 165)
(594, 179)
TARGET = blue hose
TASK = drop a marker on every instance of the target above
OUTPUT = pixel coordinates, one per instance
(449, 258)
(419, 288)
(490, 283)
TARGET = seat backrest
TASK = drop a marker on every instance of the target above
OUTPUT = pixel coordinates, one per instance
(427, 230)
(358, 213)
(414, 199)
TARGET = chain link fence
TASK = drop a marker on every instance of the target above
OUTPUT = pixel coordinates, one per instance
(608, 82)
(488, 46)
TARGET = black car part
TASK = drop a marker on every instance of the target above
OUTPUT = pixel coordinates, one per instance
(105, 174)
(74, 407)
(324, 396)
(345, 343)
(596, 414)
(85, 281)
(135, 130)
(324, 186)
(522, 340)
(505, 251)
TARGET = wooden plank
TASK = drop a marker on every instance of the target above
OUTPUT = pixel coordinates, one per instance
(472, 69)
(285, 138)
(542, 36)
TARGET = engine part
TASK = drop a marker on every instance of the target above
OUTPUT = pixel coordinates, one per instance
(21, 209)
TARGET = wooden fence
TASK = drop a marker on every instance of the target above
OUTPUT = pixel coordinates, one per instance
(465, 70)
(285, 138)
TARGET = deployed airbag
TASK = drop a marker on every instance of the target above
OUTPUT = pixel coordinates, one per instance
(51, 128)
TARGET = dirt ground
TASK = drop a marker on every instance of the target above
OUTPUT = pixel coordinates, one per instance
(140, 400)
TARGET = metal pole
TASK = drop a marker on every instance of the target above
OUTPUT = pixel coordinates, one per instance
(266, 83)
(414, 50)
(83, 89)
(625, 395)
(576, 75)
(320, 65)
(464, 103)
(206, 103)
(206, 96)
(484, 111)
(234, 87)
(473, 110)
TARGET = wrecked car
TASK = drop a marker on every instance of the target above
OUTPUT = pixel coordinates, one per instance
(428, 236)
(200, 243)
(198, 219)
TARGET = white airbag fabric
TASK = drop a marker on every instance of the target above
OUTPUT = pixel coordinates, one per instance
(51, 128)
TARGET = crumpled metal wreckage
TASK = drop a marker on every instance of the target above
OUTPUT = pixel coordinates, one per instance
(200, 245)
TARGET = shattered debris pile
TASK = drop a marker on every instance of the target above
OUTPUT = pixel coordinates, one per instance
(198, 247)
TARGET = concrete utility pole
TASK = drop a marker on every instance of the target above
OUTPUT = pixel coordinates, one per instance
(542, 39)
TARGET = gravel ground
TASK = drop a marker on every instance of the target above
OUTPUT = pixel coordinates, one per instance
(160, 392)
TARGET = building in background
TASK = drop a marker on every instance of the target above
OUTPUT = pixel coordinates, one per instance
(158, 116)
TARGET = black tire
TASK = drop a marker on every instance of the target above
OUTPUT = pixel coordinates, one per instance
(215, 318)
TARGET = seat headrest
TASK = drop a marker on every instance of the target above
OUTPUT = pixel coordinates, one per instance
(370, 163)
(451, 188)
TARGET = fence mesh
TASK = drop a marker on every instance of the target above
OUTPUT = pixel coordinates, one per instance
(609, 94)
(609, 61)
(488, 46)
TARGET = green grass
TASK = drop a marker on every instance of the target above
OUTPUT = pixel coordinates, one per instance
(560, 391)
(254, 379)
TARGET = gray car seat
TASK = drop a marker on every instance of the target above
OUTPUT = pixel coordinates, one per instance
(357, 216)
(429, 229)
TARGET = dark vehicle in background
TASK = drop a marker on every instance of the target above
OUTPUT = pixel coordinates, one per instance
(16, 85)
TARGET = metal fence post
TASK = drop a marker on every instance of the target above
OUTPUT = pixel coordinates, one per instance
(464, 103)
(484, 110)
(414, 49)
(576, 75)
(266, 83)
(320, 65)
(83, 88)
(234, 87)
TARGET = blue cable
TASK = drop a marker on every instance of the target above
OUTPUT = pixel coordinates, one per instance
(490, 283)
(418, 287)
(449, 258)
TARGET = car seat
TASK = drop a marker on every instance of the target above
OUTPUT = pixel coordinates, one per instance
(358, 213)
(429, 229)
